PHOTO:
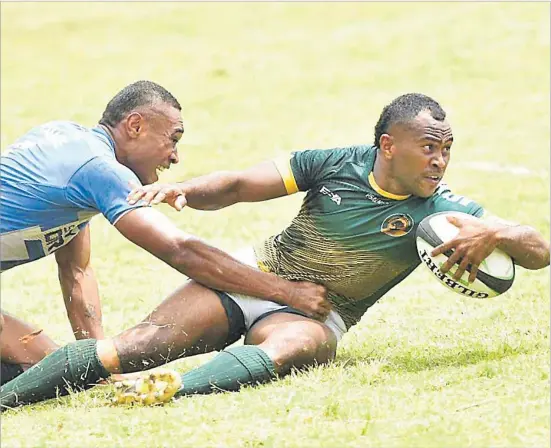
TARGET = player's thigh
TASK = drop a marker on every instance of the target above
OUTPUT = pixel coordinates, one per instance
(21, 343)
(291, 340)
(191, 320)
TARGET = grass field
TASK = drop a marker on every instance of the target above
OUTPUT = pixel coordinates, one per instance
(425, 367)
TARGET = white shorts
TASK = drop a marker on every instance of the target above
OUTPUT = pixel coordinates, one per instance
(253, 307)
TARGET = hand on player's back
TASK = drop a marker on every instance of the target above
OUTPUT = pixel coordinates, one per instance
(154, 194)
(311, 299)
(475, 241)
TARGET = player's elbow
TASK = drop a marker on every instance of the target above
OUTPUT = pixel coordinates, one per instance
(183, 254)
(541, 261)
(536, 259)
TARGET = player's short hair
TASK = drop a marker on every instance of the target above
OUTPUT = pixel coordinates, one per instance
(405, 108)
(133, 96)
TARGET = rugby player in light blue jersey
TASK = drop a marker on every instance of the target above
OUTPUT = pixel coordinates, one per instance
(59, 175)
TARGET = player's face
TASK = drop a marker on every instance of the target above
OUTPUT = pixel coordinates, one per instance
(154, 147)
(421, 155)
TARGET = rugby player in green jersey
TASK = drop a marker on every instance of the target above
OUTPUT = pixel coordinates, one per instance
(354, 234)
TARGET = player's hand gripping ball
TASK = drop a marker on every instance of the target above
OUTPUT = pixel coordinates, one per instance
(495, 274)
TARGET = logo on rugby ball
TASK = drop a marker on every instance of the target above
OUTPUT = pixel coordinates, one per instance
(456, 285)
(399, 224)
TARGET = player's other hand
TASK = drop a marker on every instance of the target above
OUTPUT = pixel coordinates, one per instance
(311, 299)
(154, 194)
(475, 241)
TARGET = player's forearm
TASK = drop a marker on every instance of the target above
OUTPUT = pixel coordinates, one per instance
(218, 270)
(525, 245)
(212, 191)
(82, 302)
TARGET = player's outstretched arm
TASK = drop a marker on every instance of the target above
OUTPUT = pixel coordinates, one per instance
(478, 238)
(214, 268)
(79, 287)
(216, 190)
(524, 244)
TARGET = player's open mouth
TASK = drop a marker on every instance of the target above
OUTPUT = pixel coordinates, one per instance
(433, 179)
(161, 168)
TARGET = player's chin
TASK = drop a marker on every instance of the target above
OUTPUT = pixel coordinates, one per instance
(425, 191)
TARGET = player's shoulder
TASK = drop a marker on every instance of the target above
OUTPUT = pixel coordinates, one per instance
(53, 152)
(352, 153)
(59, 132)
(444, 199)
(359, 154)
(56, 136)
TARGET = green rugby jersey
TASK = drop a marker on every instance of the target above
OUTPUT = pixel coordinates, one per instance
(350, 235)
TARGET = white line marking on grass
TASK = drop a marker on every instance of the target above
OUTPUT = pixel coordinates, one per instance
(498, 168)
(475, 405)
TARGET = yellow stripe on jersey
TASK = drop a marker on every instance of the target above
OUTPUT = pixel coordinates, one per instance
(386, 194)
(262, 266)
(283, 165)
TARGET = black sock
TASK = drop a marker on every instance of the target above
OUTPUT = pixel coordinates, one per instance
(9, 371)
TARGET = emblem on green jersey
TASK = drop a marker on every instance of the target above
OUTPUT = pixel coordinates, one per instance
(399, 224)
(333, 196)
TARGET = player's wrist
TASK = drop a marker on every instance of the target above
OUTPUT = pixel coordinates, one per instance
(284, 291)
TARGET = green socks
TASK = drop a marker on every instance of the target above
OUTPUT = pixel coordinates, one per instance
(228, 371)
(73, 367)
(76, 367)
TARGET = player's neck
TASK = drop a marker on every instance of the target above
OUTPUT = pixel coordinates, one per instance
(113, 133)
(384, 181)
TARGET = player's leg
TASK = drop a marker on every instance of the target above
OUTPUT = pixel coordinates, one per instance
(21, 346)
(274, 345)
(192, 320)
(293, 341)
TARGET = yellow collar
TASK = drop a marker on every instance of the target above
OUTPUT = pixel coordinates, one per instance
(386, 194)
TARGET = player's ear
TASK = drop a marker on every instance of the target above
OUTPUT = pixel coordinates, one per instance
(134, 124)
(386, 145)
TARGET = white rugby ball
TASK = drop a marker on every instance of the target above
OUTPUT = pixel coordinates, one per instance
(495, 274)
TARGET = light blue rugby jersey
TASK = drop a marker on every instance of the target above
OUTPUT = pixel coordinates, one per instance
(53, 180)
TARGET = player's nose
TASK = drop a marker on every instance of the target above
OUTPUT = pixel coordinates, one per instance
(438, 162)
(174, 157)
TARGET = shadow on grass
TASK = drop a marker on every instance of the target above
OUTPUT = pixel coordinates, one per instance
(416, 361)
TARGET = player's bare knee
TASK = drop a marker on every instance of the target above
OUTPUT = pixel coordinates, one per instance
(256, 336)
(1, 323)
(327, 350)
(295, 350)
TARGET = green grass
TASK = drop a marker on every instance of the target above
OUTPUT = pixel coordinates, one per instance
(424, 367)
